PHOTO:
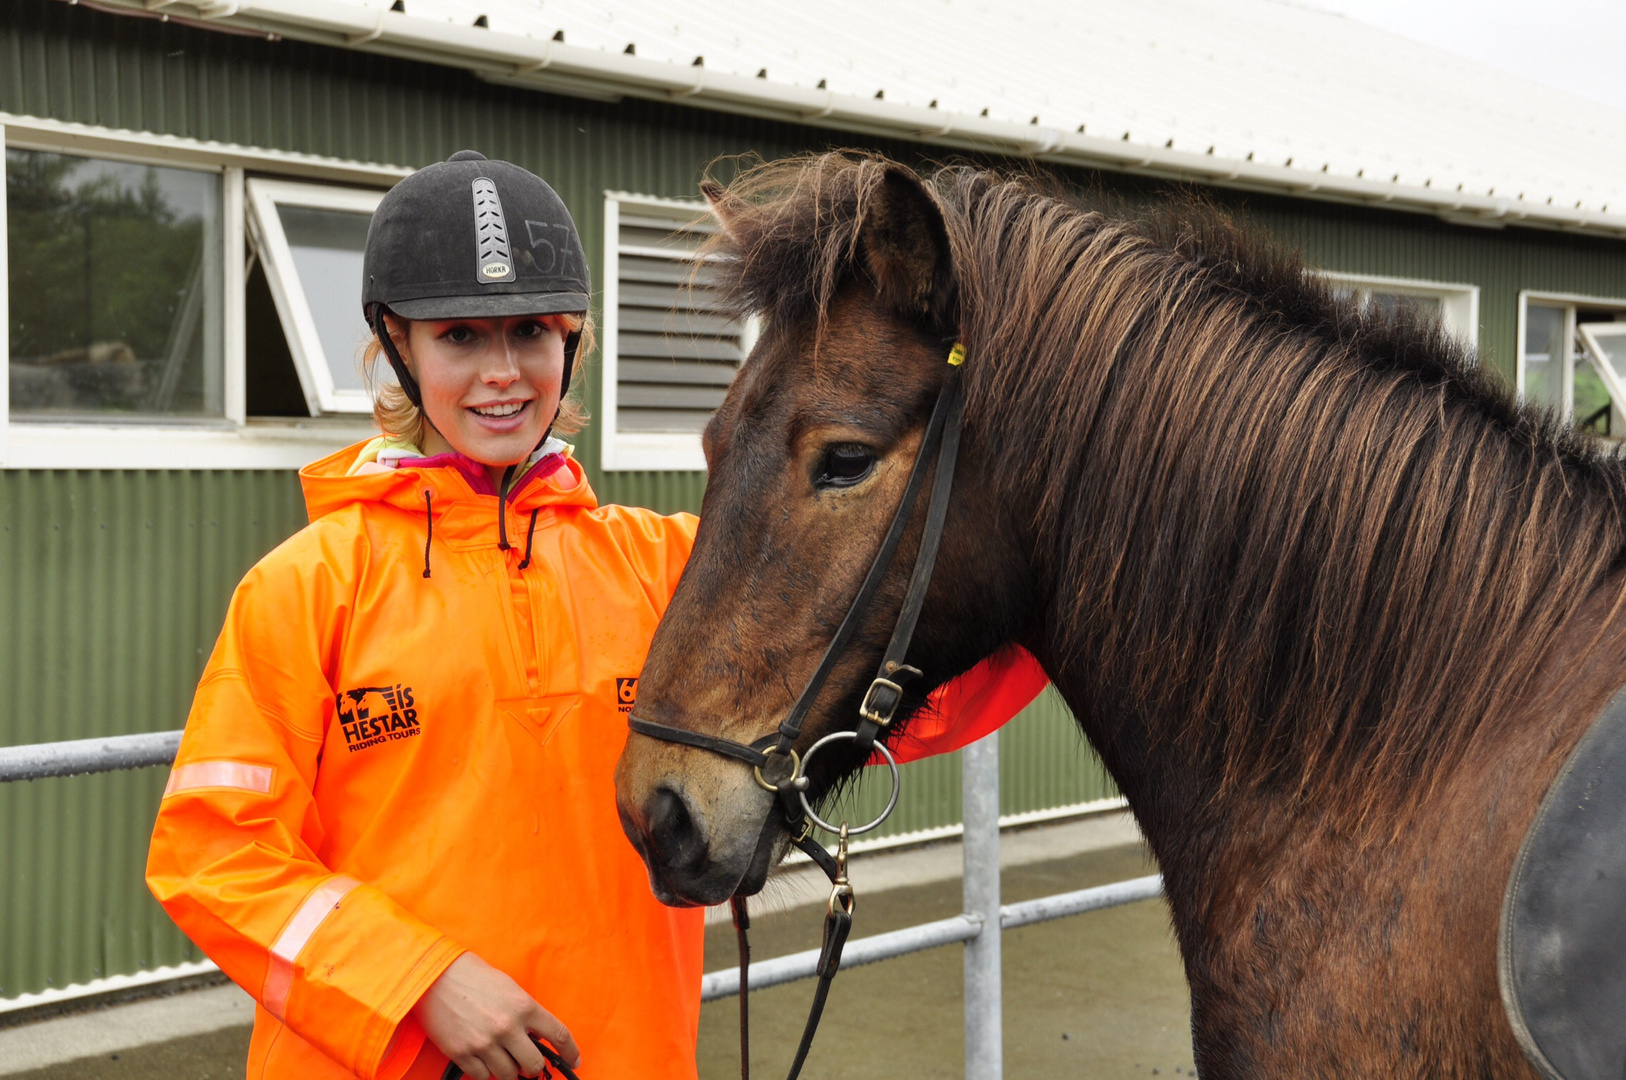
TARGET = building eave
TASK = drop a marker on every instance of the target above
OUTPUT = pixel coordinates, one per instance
(554, 66)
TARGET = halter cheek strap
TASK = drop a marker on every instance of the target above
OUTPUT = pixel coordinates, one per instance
(885, 694)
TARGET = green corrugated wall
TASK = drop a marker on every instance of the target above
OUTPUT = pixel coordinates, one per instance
(112, 585)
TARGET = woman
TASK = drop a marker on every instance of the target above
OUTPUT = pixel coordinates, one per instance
(392, 817)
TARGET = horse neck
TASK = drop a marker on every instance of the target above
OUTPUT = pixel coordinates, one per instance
(1269, 562)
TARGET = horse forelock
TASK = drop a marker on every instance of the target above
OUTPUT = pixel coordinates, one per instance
(1301, 537)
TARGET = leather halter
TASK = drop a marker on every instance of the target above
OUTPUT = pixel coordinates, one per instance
(773, 758)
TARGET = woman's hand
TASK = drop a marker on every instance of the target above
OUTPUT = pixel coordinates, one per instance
(481, 1019)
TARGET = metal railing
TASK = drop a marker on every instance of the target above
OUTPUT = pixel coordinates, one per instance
(978, 926)
(40, 760)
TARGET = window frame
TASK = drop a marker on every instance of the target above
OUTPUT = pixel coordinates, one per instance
(639, 451)
(1459, 301)
(235, 440)
(1589, 333)
(270, 239)
(1569, 302)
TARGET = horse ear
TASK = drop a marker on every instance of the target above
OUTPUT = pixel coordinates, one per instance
(722, 207)
(905, 248)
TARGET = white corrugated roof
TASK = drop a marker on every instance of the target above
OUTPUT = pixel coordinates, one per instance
(1257, 93)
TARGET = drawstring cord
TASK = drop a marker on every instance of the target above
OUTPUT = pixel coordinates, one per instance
(429, 533)
(529, 533)
(502, 523)
(502, 509)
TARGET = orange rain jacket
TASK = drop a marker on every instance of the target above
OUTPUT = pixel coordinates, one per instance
(404, 747)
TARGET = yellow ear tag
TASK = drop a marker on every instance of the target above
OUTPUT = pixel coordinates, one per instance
(957, 354)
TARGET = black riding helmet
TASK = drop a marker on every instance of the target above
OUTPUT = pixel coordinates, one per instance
(470, 238)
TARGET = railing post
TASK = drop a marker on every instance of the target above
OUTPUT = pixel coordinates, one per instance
(984, 1025)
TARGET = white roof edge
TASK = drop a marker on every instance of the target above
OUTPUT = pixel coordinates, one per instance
(43, 133)
(553, 65)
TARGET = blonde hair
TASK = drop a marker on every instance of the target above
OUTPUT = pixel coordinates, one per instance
(395, 414)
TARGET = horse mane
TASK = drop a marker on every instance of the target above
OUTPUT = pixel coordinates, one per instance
(1300, 537)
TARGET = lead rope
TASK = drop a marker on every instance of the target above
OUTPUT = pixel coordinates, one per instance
(551, 1062)
(742, 932)
(838, 924)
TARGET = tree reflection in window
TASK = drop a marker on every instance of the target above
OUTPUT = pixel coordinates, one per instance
(115, 287)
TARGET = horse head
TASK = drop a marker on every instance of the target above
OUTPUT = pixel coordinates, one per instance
(809, 456)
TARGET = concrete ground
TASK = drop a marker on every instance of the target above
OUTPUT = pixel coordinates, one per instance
(1098, 995)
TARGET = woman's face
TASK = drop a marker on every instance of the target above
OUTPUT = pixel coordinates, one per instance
(490, 386)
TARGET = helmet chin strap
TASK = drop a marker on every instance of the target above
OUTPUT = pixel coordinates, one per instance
(409, 385)
(573, 342)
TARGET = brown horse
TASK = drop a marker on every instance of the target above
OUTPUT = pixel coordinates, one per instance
(1329, 604)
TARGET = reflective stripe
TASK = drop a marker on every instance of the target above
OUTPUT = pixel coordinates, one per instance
(219, 774)
(279, 977)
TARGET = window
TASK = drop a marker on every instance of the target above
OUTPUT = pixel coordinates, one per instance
(139, 325)
(1456, 306)
(1605, 346)
(1572, 359)
(670, 348)
(309, 239)
(115, 283)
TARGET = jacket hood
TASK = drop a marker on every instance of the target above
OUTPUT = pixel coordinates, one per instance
(327, 488)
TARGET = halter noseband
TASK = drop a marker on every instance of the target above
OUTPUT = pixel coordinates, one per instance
(775, 764)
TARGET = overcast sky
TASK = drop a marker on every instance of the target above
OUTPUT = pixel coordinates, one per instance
(1575, 45)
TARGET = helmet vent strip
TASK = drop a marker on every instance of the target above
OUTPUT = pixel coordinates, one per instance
(493, 260)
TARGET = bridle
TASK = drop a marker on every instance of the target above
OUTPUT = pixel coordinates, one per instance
(775, 764)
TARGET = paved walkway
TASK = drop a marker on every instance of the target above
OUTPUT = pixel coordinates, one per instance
(196, 1035)
(1100, 994)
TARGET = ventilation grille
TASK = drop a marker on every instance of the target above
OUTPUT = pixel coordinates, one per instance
(676, 348)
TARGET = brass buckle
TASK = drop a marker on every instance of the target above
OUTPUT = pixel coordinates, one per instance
(795, 772)
(867, 709)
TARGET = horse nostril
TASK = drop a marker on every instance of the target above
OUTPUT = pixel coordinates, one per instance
(673, 831)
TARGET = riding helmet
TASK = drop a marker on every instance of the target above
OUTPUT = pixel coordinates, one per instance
(469, 238)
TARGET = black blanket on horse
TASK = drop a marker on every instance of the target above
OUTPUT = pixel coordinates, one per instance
(1562, 954)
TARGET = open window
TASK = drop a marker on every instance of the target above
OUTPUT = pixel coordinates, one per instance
(671, 348)
(308, 240)
(1604, 344)
(1572, 359)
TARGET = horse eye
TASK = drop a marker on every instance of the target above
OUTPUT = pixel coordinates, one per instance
(845, 465)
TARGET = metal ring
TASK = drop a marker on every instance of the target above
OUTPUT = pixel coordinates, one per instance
(891, 804)
(795, 772)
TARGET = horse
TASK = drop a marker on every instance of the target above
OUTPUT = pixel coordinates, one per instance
(1330, 604)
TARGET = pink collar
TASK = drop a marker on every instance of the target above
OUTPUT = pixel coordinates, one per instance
(479, 478)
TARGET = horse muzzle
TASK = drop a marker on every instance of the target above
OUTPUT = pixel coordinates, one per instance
(699, 850)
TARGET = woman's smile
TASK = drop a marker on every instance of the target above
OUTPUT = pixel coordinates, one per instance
(501, 415)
